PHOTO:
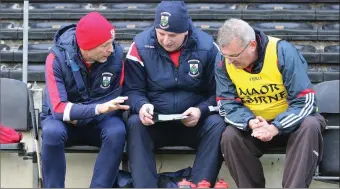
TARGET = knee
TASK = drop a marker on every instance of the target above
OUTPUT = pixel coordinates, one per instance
(216, 123)
(134, 123)
(310, 125)
(229, 135)
(54, 134)
(114, 133)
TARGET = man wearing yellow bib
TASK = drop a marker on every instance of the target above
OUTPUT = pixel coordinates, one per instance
(266, 98)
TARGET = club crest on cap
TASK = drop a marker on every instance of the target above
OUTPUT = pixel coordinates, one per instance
(164, 23)
(113, 33)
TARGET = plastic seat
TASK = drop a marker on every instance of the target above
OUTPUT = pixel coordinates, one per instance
(36, 52)
(315, 76)
(288, 30)
(309, 53)
(59, 11)
(53, 25)
(331, 75)
(329, 32)
(332, 49)
(16, 112)
(7, 25)
(125, 46)
(209, 27)
(10, 11)
(34, 73)
(128, 29)
(331, 54)
(58, 6)
(132, 11)
(6, 53)
(276, 11)
(328, 105)
(213, 11)
(44, 30)
(8, 30)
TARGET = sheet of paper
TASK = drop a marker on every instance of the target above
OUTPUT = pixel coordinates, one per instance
(170, 117)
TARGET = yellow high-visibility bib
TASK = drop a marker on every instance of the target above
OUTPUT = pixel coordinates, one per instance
(263, 93)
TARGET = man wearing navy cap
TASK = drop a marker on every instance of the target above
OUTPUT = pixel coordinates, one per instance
(169, 69)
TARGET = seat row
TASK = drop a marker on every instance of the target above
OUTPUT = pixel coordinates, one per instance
(36, 72)
(16, 97)
(45, 30)
(201, 11)
(328, 54)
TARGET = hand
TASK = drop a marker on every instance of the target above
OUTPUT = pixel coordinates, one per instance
(113, 105)
(253, 123)
(193, 114)
(265, 133)
(146, 114)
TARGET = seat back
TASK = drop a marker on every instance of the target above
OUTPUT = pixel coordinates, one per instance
(327, 94)
(328, 103)
(14, 104)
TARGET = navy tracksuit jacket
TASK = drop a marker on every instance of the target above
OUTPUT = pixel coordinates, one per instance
(71, 94)
(151, 77)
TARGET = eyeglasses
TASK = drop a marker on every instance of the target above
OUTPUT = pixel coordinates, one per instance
(235, 56)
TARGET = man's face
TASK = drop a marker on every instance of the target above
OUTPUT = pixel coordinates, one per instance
(101, 52)
(239, 56)
(170, 41)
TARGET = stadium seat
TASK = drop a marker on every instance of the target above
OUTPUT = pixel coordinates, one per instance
(278, 12)
(68, 149)
(329, 32)
(288, 30)
(4, 73)
(331, 54)
(6, 54)
(128, 29)
(331, 75)
(315, 76)
(328, 105)
(328, 12)
(16, 110)
(59, 11)
(8, 30)
(125, 11)
(34, 72)
(125, 46)
(10, 11)
(36, 52)
(309, 53)
(209, 27)
(43, 30)
(213, 11)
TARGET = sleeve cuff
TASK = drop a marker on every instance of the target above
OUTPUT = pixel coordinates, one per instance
(139, 105)
(278, 126)
(204, 110)
(96, 110)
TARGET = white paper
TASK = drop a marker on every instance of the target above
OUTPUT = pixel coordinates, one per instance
(170, 117)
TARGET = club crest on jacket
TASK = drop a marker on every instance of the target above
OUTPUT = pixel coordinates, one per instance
(106, 80)
(193, 68)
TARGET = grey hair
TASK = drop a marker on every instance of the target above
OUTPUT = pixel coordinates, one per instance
(235, 28)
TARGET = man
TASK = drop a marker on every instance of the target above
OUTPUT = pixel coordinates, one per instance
(264, 94)
(83, 83)
(169, 70)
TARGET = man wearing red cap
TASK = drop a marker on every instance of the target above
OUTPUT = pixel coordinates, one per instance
(82, 103)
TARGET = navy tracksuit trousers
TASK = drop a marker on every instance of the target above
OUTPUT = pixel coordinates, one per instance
(108, 134)
(143, 140)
